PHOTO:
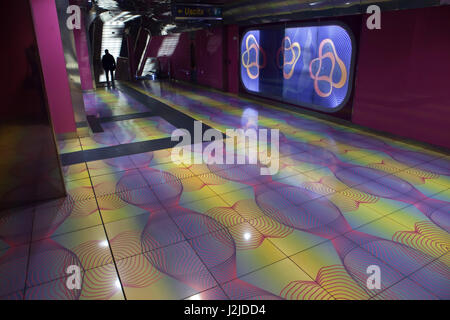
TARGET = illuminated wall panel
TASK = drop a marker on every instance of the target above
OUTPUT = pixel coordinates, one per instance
(310, 66)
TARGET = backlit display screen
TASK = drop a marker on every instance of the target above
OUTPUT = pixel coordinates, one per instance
(307, 66)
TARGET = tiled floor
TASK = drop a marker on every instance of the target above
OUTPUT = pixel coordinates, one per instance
(109, 104)
(143, 227)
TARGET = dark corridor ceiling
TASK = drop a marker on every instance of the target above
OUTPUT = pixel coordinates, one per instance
(155, 14)
(151, 5)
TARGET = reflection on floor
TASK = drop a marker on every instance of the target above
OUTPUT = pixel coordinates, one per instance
(143, 227)
(106, 104)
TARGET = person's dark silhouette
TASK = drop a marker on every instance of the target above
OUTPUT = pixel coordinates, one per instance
(109, 65)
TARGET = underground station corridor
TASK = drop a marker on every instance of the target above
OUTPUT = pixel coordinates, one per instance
(229, 150)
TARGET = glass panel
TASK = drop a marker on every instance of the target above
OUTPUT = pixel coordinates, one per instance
(307, 66)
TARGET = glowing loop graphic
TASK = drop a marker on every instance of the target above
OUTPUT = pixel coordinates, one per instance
(252, 62)
(288, 49)
(336, 62)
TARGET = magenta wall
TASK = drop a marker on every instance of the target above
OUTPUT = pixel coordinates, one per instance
(232, 66)
(179, 61)
(83, 58)
(29, 166)
(53, 65)
(131, 56)
(139, 41)
(402, 76)
(153, 47)
(209, 57)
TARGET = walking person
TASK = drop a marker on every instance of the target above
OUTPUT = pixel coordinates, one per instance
(109, 65)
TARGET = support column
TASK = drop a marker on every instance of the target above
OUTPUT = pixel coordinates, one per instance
(83, 55)
(53, 65)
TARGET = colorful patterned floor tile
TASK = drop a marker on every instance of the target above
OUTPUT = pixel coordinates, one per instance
(182, 192)
(405, 290)
(438, 286)
(118, 206)
(160, 274)
(340, 267)
(291, 241)
(355, 213)
(143, 129)
(75, 172)
(321, 186)
(422, 236)
(50, 258)
(118, 182)
(13, 269)
(201, 217)
(78, 190)
(15, 227)
(108, 166)
(99, 140)
(396, 260)
(69, 145)
(163, 173)
(148, 159)
(219, 184)
(295, 162)
(281, 280)
(104, 103)
(439, 170)
(235, 251)
(139, 234)
(246, 193)
(71, 217)
(341, 202)
(101, 283)
(211, 294)
(13, 296)
(53, 290)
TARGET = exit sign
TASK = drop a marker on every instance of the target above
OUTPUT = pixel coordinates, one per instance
(197, 12)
